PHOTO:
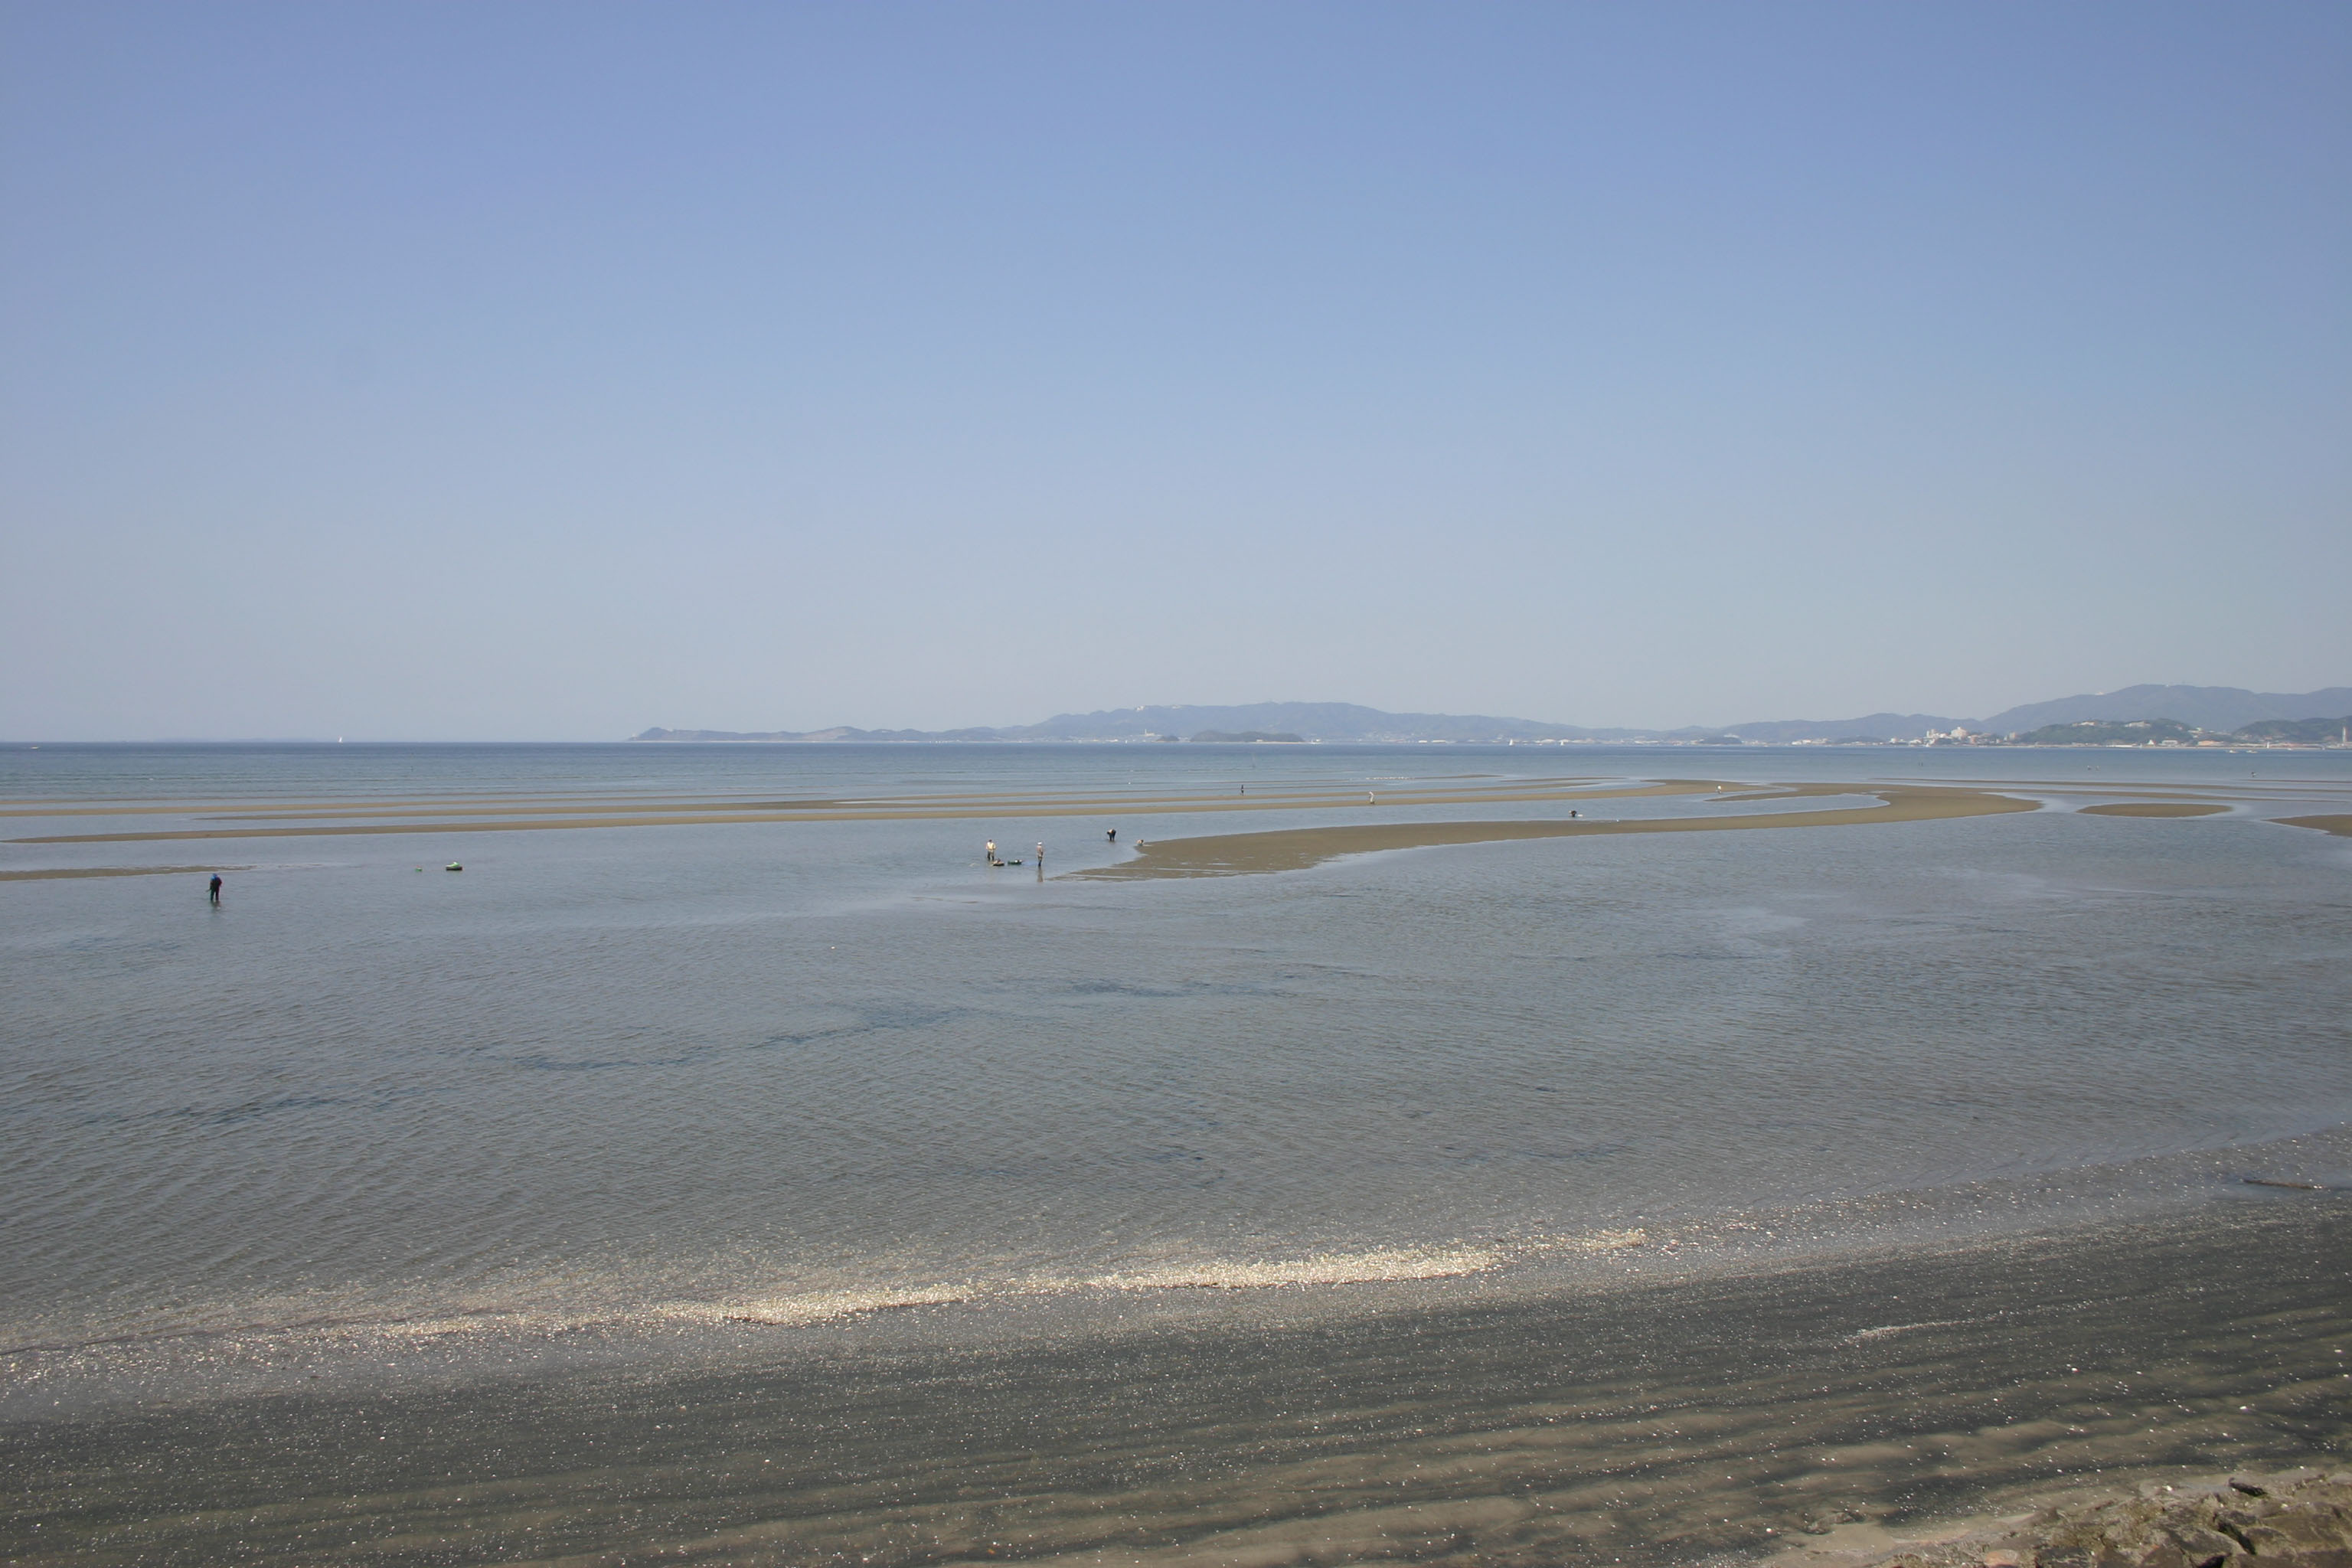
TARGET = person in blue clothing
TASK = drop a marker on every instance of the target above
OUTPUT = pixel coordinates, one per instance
(216, 889)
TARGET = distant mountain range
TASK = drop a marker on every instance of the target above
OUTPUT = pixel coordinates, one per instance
(2221, 710)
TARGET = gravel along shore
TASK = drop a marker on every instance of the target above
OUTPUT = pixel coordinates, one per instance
(2294, 1519)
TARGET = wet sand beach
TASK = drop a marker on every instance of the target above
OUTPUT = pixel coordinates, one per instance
(1643, 1424)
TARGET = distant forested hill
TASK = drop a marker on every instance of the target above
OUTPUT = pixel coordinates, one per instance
(1228, 737)
(1313, 720)
(1339, 722)
(2301, 732)
(2223, 710)
(2091, 732)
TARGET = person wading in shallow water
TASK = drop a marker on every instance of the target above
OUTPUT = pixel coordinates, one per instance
(216, 889)
(1112, 835)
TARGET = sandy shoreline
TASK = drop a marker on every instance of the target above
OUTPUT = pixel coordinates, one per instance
(1652, 1424)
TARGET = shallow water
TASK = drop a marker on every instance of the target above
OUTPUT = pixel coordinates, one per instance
(779, 1072)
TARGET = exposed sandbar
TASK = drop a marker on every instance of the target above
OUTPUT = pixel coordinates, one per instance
(521, 820)
(499, 802)
(57, 873)
(160, 806)
(885, 806)
(1293, 849)
(2152, 809)
(2339, 826)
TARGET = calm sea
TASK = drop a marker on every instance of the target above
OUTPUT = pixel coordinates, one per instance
(661, 1077)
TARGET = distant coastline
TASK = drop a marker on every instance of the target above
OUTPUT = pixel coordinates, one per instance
(2223, 715)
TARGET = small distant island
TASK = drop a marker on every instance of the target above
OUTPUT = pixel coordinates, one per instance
(1227, 737)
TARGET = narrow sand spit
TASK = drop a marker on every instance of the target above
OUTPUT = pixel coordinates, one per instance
(2339, 826)
(1293, 849)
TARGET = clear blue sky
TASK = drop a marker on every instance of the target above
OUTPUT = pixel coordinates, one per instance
(548, 371)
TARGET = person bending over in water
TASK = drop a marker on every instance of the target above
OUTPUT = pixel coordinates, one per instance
(216, 889)
(1112, 835)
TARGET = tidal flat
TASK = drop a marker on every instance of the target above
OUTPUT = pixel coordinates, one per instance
(757, 1173)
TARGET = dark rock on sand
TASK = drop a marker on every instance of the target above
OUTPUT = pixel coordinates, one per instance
(2302, 1519)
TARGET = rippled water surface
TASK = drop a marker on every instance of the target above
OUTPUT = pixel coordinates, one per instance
(775, 1069)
